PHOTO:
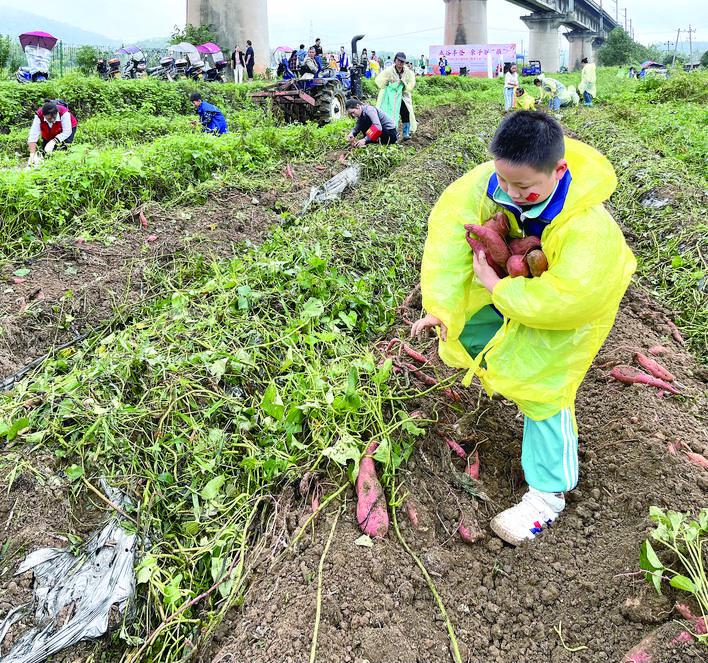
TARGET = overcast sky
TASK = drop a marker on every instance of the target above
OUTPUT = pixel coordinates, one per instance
(388, 24)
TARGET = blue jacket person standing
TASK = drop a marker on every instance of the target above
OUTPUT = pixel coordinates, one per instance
(212, 119)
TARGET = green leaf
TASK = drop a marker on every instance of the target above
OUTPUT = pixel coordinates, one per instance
(17, 427)
(684, 583)
(74, 472)
(271, 402)
(146, 569)
(345, 449)
(313, 308)
(21, 272)
(218, 368)
(652, 557)
(211, 490)
(384, 372)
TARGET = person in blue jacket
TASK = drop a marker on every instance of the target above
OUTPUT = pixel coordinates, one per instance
(212, 119)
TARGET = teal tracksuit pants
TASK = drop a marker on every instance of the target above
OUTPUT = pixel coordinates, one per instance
(549, 449)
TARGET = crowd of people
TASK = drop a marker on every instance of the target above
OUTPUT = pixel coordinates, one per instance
(557, 94)
(54, 126)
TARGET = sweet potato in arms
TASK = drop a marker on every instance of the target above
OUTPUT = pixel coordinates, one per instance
(371, 511)
(520, 247)
(494, 245)
(537, 261)
(499, 224)
(516, 266)
(477, 248)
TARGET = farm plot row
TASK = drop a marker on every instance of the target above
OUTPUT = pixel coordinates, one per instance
(231, 387)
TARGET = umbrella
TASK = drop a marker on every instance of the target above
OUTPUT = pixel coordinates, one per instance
(285, 48)
(209, 47)
(41, 39)
(128, 50)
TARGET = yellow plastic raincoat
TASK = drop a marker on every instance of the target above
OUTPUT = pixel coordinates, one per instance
(525, 102)
(588, 80)
(554, 324)
(390, 75)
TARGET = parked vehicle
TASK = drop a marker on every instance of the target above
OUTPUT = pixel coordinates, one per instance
(38, 47)
(135, 62)
(188, 61)
(214, 62)
(532, 69)
(165, 70)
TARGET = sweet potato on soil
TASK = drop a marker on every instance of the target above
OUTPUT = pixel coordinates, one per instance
(371, 511)
(658, 350)
(472, 469)
(538, 263)
(630, 375)
(494, 245)
(499, 224)
(470, 534)
(516, 266)
(653, 367)
(456, 447)
(520, 247)
(412, 513)
(697, 459)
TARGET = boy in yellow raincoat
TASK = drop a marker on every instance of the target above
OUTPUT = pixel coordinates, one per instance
(531, 340)
(588, 82)
(398, 81)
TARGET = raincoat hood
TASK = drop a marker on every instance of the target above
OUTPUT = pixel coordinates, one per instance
(594, 179)
(553, 325)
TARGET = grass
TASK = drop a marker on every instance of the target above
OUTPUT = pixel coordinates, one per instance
(238, 380)
(208, 403)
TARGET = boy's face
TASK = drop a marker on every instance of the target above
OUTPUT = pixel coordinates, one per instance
(524, 184)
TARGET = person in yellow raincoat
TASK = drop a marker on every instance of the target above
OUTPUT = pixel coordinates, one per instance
(524, 101)
(395, 87)
(531, 340)
(588, 82)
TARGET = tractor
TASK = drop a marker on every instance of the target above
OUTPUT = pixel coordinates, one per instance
(320, 99)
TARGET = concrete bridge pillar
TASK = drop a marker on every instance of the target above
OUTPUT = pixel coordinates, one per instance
(581, 46)
(465, 21)
(543, 39)
(235, 21)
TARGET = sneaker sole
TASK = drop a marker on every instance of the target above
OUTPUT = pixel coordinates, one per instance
(504, 534)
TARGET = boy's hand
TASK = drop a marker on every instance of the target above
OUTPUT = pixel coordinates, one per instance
(426, 323)
(486, 275)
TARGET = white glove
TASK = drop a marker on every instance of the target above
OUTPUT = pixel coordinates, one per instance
(34, 160)
(49, 147)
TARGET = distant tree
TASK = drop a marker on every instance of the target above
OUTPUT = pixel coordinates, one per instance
(194, 34)
(621, 49)
(86, 57)
(669, 58)
(704, 59)
(5, 46)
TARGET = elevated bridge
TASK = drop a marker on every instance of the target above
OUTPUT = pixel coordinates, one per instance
(466, 23)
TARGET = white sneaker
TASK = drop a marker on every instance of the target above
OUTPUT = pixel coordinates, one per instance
(525, 520)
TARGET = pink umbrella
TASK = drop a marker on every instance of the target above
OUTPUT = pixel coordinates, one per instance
(41, 39)
(209, 47)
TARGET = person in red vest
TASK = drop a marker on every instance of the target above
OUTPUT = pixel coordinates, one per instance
(54, 125)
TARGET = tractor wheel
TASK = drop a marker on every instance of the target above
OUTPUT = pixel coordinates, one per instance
(330, 104)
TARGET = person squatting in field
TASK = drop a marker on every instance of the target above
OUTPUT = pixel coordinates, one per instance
(376, 126)
(53, 128)
(531, 340)
(211, 118)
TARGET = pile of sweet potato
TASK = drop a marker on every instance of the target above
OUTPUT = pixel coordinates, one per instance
(507, 257)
